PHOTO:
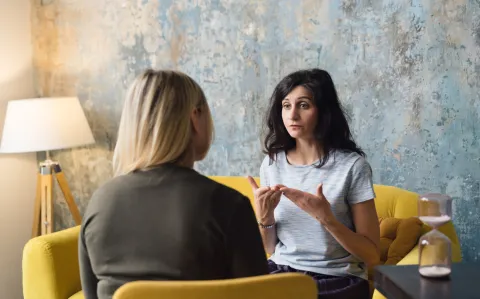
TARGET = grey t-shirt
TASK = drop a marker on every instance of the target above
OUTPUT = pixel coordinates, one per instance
(303, 243)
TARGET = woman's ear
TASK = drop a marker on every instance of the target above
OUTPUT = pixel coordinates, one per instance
(195, 120)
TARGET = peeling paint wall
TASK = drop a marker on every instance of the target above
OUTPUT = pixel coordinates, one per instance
(407, 70)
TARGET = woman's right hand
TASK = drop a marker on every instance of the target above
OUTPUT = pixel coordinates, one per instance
(266, 200)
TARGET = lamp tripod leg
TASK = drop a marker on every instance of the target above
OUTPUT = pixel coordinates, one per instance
(43, 210)
(46, 197)
(37, 208)
(62, 182)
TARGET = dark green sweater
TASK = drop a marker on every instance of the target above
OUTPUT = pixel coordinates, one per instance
(167, 223)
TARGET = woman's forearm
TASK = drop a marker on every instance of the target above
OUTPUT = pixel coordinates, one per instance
(357, 244)
(269, 235)
(269, 238)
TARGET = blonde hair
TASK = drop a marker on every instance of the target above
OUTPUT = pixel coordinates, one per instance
(155, 127)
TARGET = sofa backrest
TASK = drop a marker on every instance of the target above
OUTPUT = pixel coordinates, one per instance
(390, 201)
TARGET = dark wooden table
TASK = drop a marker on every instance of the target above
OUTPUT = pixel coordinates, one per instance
(404, 282)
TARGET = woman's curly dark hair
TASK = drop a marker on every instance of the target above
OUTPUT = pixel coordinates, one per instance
(332, 130)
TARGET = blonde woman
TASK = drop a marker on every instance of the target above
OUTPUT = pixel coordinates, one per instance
(158, 219)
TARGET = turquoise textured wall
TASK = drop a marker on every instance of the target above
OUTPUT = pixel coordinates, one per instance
(407, 70)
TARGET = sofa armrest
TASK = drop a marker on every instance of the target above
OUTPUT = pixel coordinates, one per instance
(411, 258)
(50, 266)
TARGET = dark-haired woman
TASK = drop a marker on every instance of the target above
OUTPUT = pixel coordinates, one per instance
(315, 205)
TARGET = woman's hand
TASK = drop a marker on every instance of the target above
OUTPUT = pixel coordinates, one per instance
(315, 205)
(266, 200)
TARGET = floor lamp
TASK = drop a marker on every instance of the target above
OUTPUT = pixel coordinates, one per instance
(43, 125)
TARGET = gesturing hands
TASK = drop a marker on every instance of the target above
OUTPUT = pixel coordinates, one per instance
(315, 205)
(266, 200)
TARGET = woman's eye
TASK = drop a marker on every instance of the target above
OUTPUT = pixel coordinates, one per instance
(304, 105)
(286, 106)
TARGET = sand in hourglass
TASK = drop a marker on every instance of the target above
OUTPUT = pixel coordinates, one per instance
(435, 221)
(434, 271)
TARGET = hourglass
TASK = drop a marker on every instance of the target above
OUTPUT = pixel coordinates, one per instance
(434, 247)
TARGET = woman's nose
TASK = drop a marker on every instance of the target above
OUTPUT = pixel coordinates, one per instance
(293, 114)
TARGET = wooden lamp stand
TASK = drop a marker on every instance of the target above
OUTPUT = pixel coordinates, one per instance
(43, 209)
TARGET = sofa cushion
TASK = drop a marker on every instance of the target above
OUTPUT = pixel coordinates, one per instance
(397, 238)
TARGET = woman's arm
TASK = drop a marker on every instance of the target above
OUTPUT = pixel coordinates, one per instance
(88, 279)
(269, 235)
(365, 242)
(266, 200)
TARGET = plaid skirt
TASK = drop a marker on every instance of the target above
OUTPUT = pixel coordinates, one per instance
(330, 287)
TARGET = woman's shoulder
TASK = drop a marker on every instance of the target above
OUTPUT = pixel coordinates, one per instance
(222, 191)
(269, 162)
(349, 158)
(226, 200)
(104, 196)
(112, 188)
(352, 162)
(265, 162)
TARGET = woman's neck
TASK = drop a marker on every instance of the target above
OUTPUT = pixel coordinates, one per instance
(305, 152)
(187, 160)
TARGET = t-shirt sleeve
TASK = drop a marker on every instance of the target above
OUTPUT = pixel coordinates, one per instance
(263, 174)
(361, 186)
(248, 257)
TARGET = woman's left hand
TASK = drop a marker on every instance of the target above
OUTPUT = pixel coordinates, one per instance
(316, 206)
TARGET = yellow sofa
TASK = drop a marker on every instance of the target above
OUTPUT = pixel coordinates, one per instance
(50, 262)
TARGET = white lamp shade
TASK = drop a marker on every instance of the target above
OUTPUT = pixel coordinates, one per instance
(44, 124)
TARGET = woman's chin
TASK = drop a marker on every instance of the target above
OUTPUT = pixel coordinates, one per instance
(295, 134)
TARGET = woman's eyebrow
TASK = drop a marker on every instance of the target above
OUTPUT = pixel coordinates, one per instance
(299, 98)
(304, 98)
